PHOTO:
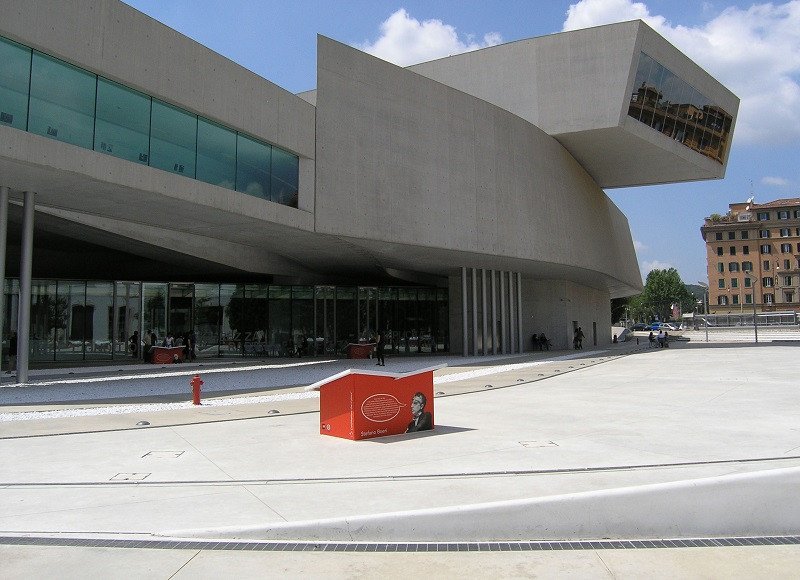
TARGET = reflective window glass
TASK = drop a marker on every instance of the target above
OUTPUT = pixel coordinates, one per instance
(303, 319)
(230, 295)
(127, 317)
(641, 105)
(672, 106)
(14, 83)
(285, 168)
(73, 321)
(99, 319)
(253, 319)
(62, 101)
(253, 166)
(173, 139)
(346, 318)
(207, 319)
(280, 318)
(122, 126)
(216, 154)
(49, 314)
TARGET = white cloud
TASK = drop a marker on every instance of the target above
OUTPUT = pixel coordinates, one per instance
(776, 181)
(754, 52)
(405, 40)
(646, 267)
(588, 13)
(639, 246)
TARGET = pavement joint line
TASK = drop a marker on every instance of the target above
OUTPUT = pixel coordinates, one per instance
(230, 401)
(101, 540)
(389, 478)
(186, 373)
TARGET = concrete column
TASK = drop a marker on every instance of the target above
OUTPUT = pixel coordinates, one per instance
(25, 270)
(512, 318)
(4, 193)
(493, 277)
(484, 336)
(503, 314)
(519, 312)
(465, 325)
(474, 275)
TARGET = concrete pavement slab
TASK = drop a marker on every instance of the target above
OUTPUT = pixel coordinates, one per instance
(652, 417)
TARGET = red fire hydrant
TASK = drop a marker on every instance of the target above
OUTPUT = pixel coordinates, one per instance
(196, 382)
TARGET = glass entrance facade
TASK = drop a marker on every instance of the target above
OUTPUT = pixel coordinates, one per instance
(75, 320)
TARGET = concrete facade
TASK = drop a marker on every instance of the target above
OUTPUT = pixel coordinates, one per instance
(484, 161)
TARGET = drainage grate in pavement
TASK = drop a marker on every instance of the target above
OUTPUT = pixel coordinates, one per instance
(538, 443)
(129, 477)
(267, 546)
(163, 454)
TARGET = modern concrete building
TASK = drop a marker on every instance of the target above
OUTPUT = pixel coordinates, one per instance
(455, 205)
(753, 258)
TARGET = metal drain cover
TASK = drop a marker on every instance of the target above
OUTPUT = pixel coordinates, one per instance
(163, 454)
(538, 444)
(129, 477)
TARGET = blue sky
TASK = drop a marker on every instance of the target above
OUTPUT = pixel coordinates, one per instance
(753, 48)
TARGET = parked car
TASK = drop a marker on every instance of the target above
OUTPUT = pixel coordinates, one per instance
(639, 326)
(665, 326)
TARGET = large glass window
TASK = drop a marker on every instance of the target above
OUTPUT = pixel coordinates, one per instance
(668, 104)
(127, 319)
(49, 317)
(230, 299)
(62, 101)
(73, 321)
(252, 318)
(155, 310)
(387, 304)
(216, 154)
(407, 320)
(285, 172)
(173, 139)
(280, 319)
(15, 75)
(253, 167)
(208, 319)
(122, 126)
(44, 95)
(303, 319)
(346, 318)
(325, 320)
(99, 319)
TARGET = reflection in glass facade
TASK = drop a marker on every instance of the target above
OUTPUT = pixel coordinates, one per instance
(15, 78)
(216, 154)
(61, 101)
(673, 107)
(80, 321)
(173, 139)
(122, 122)
(49, 97)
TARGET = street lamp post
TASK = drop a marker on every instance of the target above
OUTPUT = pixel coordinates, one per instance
(748, 276)
(704, 286)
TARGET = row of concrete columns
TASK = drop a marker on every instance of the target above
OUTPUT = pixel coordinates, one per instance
(25, 275)
(495, 285)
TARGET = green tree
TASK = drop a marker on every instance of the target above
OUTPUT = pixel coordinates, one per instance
(662, 289)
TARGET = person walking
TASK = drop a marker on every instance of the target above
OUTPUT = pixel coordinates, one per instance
(379, 348)
(134, 341)
(12, 353)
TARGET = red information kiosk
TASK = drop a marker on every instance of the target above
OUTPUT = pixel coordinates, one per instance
(360, 404)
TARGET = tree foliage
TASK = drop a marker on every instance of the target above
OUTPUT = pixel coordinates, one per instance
(662, 289)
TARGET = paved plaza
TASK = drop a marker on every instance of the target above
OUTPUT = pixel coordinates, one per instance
(620, 462)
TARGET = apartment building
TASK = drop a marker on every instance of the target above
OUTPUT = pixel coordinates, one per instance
(753, 255)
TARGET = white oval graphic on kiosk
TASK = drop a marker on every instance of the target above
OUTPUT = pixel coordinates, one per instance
(381, 407)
